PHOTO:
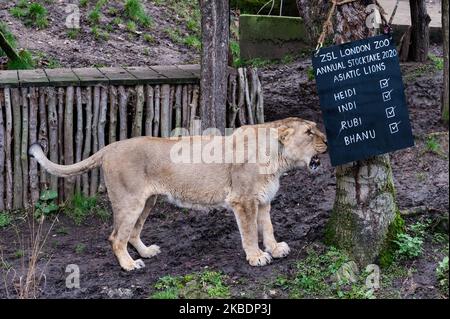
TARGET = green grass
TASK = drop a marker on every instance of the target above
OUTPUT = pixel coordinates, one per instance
(193, 42)
(135, 11)
(33, 14)
(80, 207)
(73, 33)
(204, 285)
(437, 62)
(84, 3)
(19, 253)
(94, 16)
(442, 274)
(131, 26)
(8, 36)
(5, 219)
(328, 274)
(149, 38)
(79, 248)
(236, 53)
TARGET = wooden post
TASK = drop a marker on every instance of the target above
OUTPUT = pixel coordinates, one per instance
(53, 135)
(94, 172)
(178, 111)
(194, 129)
(232, 103)
(68, 141)
(34, 178)
(420, 32)
(101, 131)
(24, 147)
(87, 141)
(123, 97)
(157, 111)
(149, 110)
(79, 136)
(8, 153)
(139, 110)
(165, 110)
(259, 101)
(17, 124)
(61, 181)
(43, 134)
(2, 157)
(185, 107)
(112, 114)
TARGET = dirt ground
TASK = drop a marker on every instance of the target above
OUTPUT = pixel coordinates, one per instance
(193, 241)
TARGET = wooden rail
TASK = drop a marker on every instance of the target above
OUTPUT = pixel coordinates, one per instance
(75, 112)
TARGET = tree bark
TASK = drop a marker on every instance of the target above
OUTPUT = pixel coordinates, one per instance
(101, 131)
(139, 110)
(365, 216)
(79, 136)
(165, 111)
(43, 134)
(214, 63)
(112, 114)
(69, 184)
(445, 34)
(157, 111)
(53, 135)
(2, 158)
(123, 103)
(420, 32)
(94, 172)
(34, 178)
(17, 129)
(24, 147)
(88, 139)
(149, 110)
(8, 151)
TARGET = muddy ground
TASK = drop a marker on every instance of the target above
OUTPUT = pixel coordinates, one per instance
(194, 241)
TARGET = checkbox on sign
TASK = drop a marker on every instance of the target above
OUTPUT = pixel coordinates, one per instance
(387, 96)
(384, 83)
(390, 112)
(393, 127)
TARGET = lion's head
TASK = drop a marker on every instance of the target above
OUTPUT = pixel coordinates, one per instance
(302, 142)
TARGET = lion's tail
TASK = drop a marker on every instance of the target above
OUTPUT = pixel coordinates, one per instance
(89, 163)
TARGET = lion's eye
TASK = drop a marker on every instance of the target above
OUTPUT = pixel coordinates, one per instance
(309, 132)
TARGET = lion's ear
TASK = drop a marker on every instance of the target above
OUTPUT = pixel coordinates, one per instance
(284, 133)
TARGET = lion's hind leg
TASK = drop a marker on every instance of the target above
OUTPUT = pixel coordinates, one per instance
(125, 218)
(135, 238)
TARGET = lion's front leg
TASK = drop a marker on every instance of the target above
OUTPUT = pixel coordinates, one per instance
(246, 211)
(277, 250)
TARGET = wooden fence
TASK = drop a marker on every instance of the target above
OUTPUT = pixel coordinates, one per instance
(75, 112)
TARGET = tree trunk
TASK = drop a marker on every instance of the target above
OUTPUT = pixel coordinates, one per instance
(420, 32)
(365, 217)
(214, 63)
(445, 34)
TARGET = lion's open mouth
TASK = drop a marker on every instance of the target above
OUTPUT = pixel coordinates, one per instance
(314, 163)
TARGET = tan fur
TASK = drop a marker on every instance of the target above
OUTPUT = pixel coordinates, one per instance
(139, 169)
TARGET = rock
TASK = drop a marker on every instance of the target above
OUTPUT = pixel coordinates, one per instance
(119, 293)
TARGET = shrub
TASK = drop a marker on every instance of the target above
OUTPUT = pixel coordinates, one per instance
(5, 219)
(409, 246)
(32, 14)
(136, 12)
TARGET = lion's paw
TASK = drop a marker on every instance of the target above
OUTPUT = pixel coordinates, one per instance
(261, 259)
(136, 264)
(151, 251)
(281, 250)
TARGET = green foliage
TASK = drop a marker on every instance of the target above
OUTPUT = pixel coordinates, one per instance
(149, 38)
(33, 14)
(317, 276)
(193, 42)
(207, 284)
(310, 73)
(46, 205)
(94, 16)
(84, 3)
(19, 253)
(388, 252)
(135, 11)
(131, 26)
(8, 36)
(79, 248)
(24, 62)
(73, 33)
(236, 53)
(80, 207)
(409, 247)
(438, 62)
(5, 219)
(442, 274)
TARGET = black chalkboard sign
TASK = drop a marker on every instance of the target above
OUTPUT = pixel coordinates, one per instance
(362, 99)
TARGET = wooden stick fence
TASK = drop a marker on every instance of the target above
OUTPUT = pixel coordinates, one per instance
(75, 112)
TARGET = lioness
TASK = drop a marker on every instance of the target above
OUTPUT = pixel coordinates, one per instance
(138, 169)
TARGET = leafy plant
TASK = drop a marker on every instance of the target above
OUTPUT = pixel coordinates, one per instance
(80, 208)
(409, 246)
(84, 3)
(193, 41)
(442, 273)
(8, 36)
(5, 219)
(46, 205)
(24, 62)
(135, 11)
(208, 284)
(437, 61)
(236, 53)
